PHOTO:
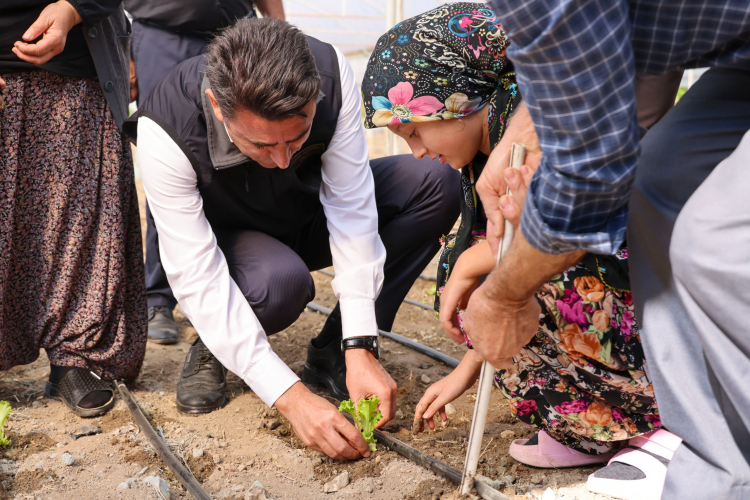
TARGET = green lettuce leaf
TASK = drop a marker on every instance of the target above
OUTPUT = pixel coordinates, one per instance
(5, 410)
(366, 417)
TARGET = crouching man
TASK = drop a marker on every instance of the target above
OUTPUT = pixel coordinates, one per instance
(256, 170)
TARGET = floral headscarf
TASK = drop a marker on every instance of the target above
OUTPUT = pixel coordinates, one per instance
(443, 64)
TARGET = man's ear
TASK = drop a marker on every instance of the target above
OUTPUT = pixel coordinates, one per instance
(215, 105)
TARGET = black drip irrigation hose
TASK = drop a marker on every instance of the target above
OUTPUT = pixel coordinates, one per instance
(413, 344)
(183, 475)
(436, 466)
(408, 301)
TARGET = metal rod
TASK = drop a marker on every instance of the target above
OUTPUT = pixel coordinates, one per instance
(408, 301)
(479, 421)
(413, 344)
(183, 475)
(434, 465)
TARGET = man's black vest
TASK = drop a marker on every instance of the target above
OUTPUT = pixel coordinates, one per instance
(237, 192)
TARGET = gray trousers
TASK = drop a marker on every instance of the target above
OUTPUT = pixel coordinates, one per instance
(689, 243)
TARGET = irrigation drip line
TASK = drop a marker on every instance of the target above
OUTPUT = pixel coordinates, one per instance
(413, 344)
(440, 468)
(408, 301)
(183, 475)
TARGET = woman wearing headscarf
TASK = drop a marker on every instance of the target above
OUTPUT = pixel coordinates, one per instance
(71, 262)
(442, 82)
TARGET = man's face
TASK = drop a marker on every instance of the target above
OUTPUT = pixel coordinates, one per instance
(270, 143)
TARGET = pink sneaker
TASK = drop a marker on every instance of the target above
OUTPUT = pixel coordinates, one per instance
(548, 453)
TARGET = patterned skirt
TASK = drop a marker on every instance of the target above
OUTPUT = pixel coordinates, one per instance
(71, 261)
(583, 377)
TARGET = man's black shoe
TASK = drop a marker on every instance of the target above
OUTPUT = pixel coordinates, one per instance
(327, 366)
(203, 382)
(161, 326)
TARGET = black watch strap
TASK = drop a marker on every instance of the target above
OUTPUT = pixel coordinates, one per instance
(372, 344)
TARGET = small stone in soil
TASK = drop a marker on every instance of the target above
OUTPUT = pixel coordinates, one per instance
(368, 488)
(142, 471)
(450, 409)
(67, 459)
(241, 467)
(507, 434)
(217, 459)
(536, 479)
(256, 492)
(399, 414)
(123, 486)
(426, 379)
(197, 452)
(159, 485)
(424, 366)
(337, 483)
(86, 430)
(510, 479)
(274, 424)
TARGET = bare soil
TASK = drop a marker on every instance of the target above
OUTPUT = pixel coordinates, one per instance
(245, 441)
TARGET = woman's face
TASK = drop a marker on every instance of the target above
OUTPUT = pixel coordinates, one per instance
(454, 141)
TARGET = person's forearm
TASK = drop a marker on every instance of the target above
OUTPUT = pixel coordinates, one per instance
(271, 8)
(475, 261)
(523, 270)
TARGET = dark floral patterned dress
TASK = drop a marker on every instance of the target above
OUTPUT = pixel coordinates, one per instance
(71, 261)
(583, 377)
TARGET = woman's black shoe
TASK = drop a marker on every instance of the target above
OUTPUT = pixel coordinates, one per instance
(84, 393)
(202, 383)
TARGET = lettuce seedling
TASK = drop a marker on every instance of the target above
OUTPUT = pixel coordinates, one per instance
(5, 410)
(366, 417)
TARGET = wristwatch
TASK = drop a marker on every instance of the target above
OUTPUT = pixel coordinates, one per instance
(369, 343)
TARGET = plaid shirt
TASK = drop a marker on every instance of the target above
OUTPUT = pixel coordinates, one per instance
(575, 62)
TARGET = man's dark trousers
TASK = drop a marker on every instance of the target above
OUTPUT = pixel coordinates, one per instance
(691, 282)
(417, 203)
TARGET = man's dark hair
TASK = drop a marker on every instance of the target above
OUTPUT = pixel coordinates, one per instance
(264, 66)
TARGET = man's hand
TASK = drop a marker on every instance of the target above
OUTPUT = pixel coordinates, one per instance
(491, 185)
(503, 313)
(53, 23)
(320, 425)
(499, 329)
(365, 377)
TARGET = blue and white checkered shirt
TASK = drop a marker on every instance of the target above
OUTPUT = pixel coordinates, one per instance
(575, 62)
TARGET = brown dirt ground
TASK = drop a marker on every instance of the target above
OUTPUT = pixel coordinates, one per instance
(245, 441)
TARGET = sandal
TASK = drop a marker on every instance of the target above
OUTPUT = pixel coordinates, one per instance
(637, 472)
(75, 385)
(543, 451)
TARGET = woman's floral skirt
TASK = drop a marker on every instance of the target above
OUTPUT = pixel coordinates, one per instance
(71, 261)
(583, 377)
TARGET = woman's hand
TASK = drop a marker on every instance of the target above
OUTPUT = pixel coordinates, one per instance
(455, 296)
(463, 280)
(53, 25)
(446, 390)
